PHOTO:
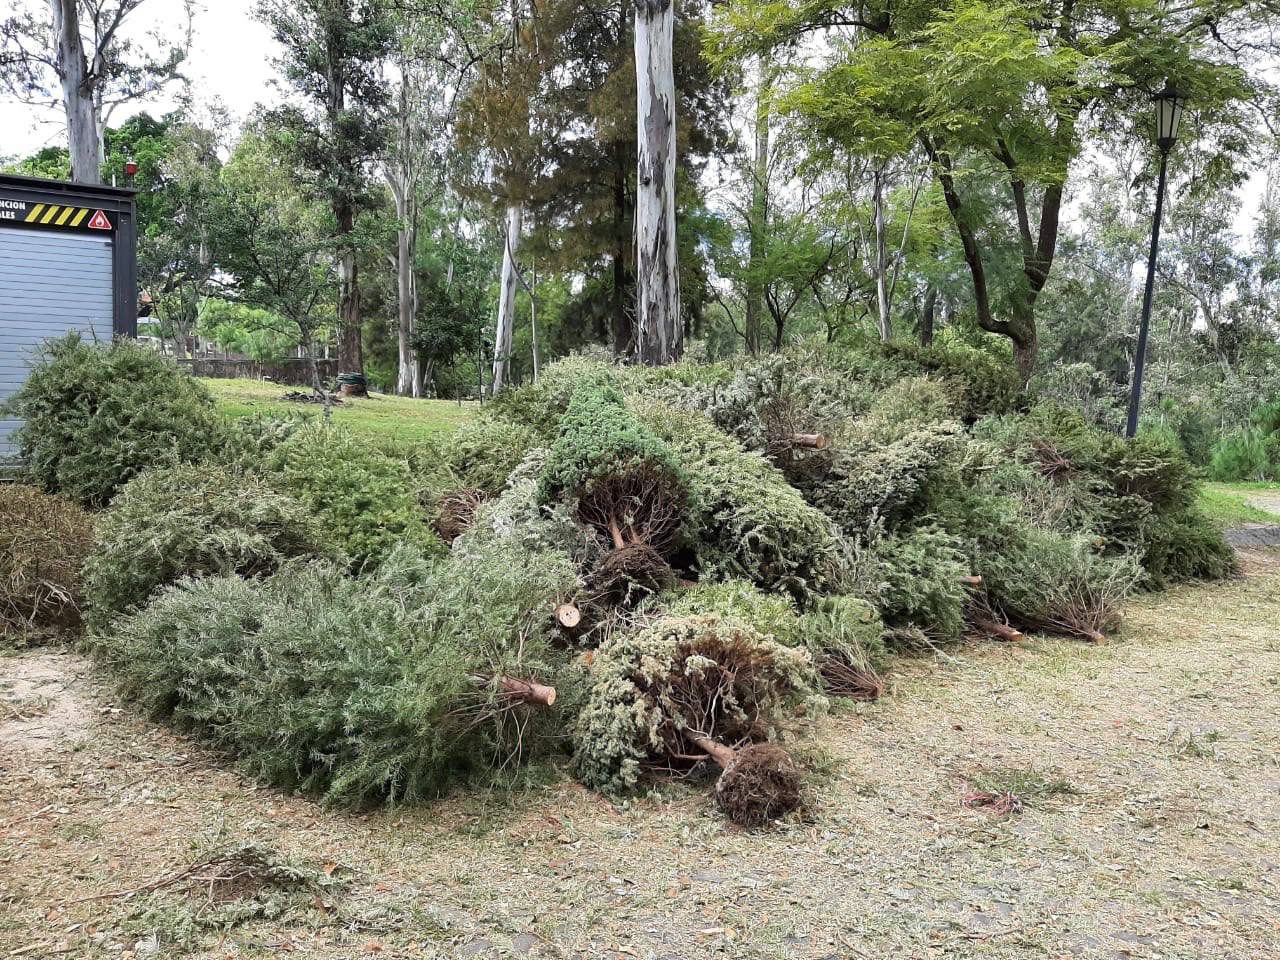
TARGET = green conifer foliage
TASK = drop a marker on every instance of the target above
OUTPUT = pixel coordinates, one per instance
(623, 480)
(381, 687)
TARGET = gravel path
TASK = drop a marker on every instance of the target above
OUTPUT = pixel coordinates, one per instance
(1252, 535)
(1270, 502)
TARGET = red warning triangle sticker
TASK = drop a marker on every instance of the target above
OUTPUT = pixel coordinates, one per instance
(99, 221)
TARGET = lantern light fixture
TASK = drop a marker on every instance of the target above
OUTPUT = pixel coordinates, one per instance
(1168, 104)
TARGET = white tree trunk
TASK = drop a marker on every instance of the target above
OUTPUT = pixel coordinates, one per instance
(533, 319)
(882, 258)
(402, 174)
(77, 97)
(415, 386)
(407, 374)
(758, 224)
(406, 295)
(507, 300)
(659, 333)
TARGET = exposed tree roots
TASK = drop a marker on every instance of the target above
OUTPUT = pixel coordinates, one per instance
(641, 504)
(760, 783)
(628, 575)
(1003, 803)
(457, 513)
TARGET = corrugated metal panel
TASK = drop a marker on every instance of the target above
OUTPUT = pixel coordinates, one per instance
(50, 285)
(7, 448)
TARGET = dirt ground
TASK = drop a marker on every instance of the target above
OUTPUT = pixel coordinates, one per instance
(1147, 772)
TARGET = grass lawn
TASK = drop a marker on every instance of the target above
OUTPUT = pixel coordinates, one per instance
(1232, 504)
(400, 419)
(1146, 824)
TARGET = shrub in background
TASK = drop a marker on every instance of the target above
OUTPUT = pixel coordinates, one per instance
(1272, 444)
(1048, 435)
(362, 497)
(1242, 454)
(1196, 421)
(748, 522)
(43, 542)
(539, 406)
(1085, 388)
(1138, 495)
(1266, 417)
(774, 397)
(1184, 545)
(904, 407)
(1065, 447)
(1148, 506)
(1151, 467)
(97, 415)
(380, 687)
(477, 456)
(249, 441)
(192, 521)
(1251, 452)
(981, 383)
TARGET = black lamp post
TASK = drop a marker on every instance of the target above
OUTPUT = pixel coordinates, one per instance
(1168, 112)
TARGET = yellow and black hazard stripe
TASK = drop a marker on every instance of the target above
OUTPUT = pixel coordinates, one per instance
(57, 215)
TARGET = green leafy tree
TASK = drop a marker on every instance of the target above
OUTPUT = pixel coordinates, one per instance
(177, 184)
(333, 56)
(274, 243)
(1000, 93)
(256, 333)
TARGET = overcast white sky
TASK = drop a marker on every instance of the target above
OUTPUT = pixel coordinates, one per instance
(230, 61)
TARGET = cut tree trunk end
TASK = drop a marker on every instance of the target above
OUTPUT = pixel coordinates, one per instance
(972, 581)
(568, 616)
(527, 690)
(1000, 630)
(811, 441)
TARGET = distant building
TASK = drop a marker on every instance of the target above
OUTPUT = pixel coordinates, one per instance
(68, 262)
